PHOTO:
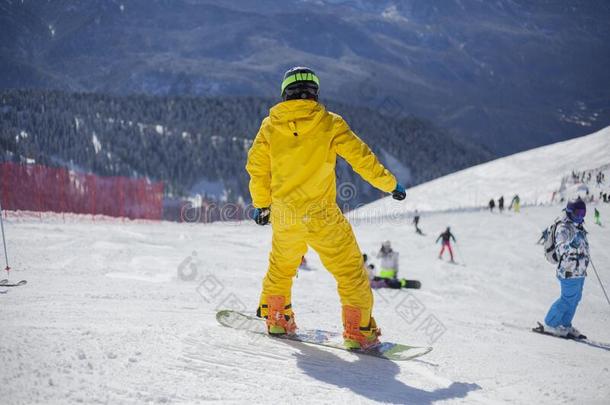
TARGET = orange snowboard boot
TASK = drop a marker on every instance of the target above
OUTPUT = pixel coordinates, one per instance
(357, 337)
(278, 322)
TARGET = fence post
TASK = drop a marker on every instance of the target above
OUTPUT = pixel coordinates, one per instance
(121, 199)
(3, 187)
(94, 195)
(5, 168)
(65, 181)
(38, 193)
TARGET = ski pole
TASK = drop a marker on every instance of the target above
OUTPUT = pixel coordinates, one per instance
(4, 241)
(600, 281)
(460, 253)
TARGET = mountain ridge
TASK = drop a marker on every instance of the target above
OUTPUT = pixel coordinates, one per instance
(509, 75)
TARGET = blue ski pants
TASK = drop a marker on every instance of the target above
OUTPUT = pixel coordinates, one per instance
(562, 311)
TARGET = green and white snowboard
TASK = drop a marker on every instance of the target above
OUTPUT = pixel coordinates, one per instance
(384, 350)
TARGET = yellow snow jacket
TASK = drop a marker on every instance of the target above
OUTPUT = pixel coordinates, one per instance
(292, 160)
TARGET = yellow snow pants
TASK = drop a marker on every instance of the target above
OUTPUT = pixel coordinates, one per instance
(329, 233)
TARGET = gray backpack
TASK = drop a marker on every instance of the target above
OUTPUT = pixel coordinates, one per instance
(549, 243)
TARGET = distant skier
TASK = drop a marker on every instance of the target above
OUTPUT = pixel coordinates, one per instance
(293, 186)
(446, 240)
(569, 249)
(515, 204)
(416, 223)
(492, 205)
(597, 217)
(304, 265)
(501, 204)
(388, 275)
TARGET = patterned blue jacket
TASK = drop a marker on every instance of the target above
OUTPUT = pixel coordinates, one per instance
(572, 249)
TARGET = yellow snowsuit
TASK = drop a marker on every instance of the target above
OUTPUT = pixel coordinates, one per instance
(292, 169)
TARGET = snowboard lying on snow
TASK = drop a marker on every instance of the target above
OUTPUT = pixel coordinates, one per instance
(6, 283)
(384, 350)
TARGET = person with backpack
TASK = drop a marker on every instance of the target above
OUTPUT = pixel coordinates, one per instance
(501, 204)
(446, 238)
(568, 248)
(291, 164)
(492, 205)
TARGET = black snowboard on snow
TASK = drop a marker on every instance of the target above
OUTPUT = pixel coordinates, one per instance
(6, 283)
(415, 284)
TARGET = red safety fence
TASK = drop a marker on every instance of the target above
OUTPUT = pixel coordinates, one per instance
(49, 189)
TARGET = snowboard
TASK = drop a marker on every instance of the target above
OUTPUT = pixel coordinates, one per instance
(6, 283)
(384, 350)
(375, 285)
(416, 284)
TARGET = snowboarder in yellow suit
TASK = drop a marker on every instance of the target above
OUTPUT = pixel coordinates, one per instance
(292, 183)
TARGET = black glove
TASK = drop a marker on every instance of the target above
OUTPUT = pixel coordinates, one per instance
(262, 215)
(399, 193)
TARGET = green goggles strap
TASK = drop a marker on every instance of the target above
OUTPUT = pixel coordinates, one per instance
(299, 77)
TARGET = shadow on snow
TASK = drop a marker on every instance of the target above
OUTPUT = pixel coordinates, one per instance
(369, 377)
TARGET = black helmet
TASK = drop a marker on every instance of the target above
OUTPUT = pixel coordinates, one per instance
(300, 83)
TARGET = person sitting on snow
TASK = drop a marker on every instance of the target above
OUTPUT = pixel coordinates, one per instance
(388, 275)
(572, 253)
(389, 261)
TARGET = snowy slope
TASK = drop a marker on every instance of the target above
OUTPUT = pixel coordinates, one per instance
(123, 312)
(106, 318)
(534, 175)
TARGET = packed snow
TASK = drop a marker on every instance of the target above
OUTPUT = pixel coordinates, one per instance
(124, 311)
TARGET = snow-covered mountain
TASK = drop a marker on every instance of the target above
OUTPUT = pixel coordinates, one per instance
(536, 176)
(508, 74)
